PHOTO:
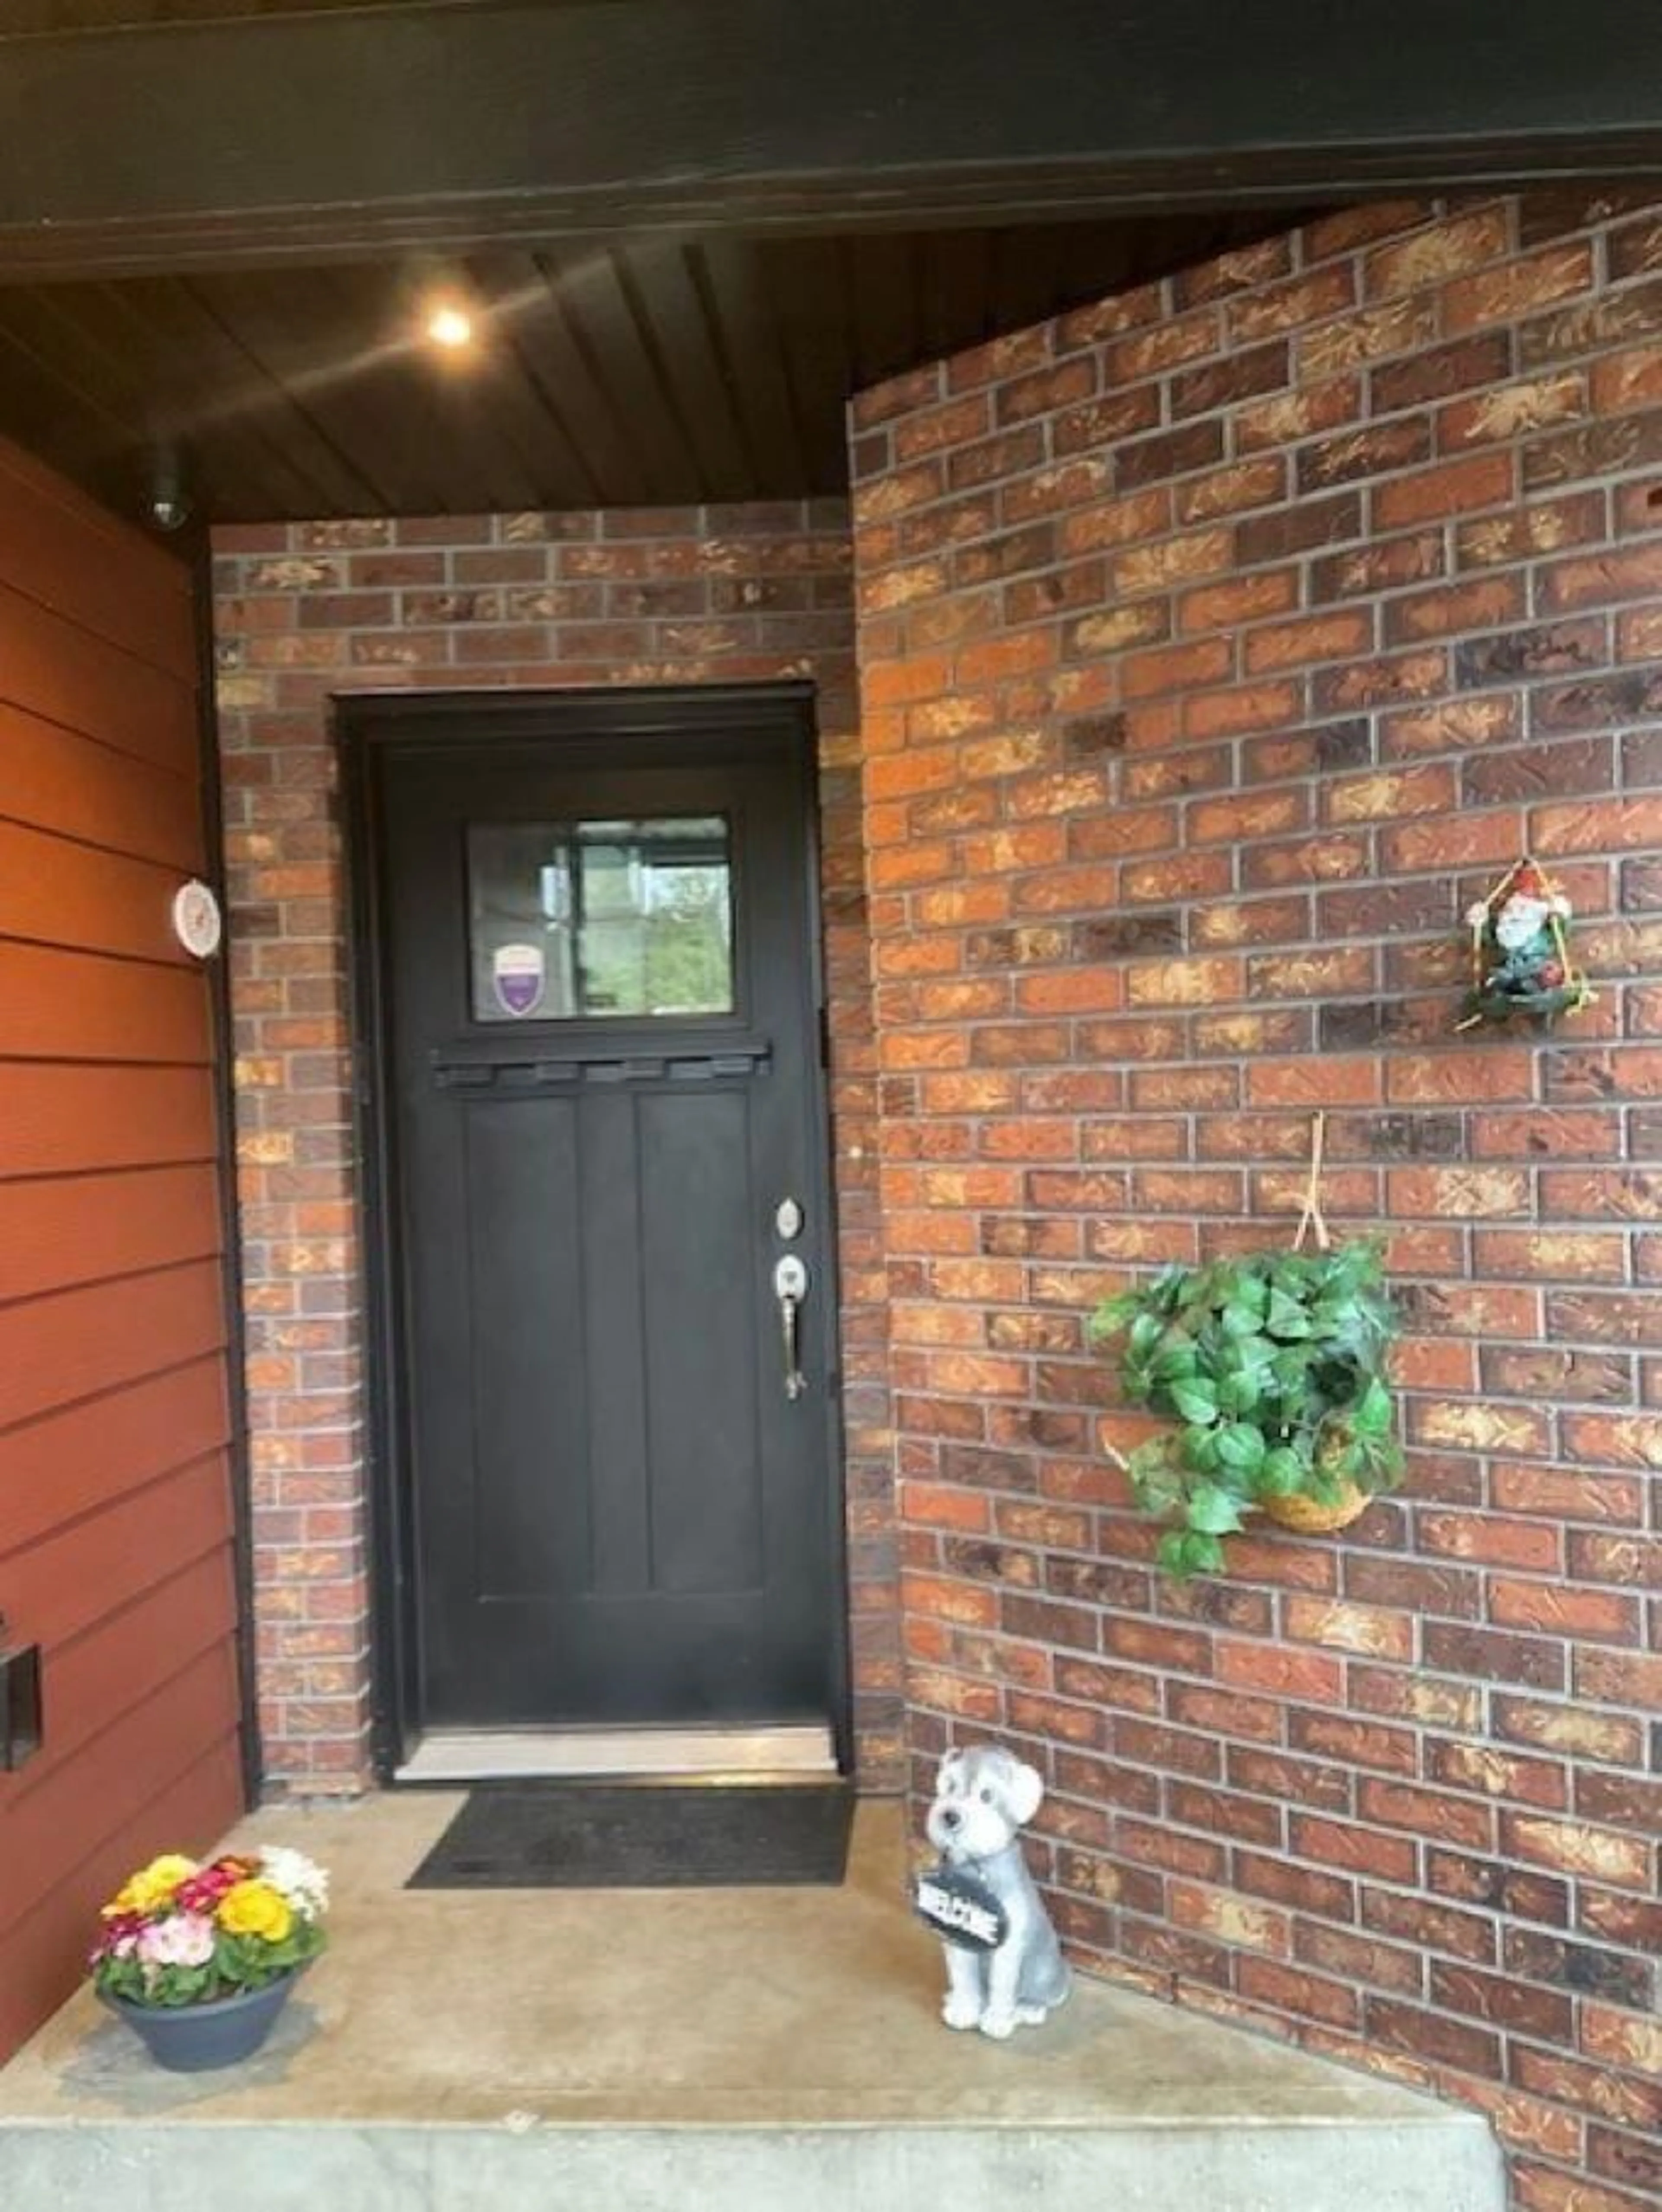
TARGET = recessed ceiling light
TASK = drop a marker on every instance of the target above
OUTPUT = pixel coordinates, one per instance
(449, 325)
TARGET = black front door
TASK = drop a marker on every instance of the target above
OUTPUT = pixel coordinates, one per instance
(593, 936)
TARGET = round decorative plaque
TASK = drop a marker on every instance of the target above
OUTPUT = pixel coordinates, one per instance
(197, 922)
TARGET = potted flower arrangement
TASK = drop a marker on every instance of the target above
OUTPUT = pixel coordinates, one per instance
(1271, 1366)
(199, 1957)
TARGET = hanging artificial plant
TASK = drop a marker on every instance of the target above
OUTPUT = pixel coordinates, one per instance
(1271, 1367)
(1520, 955)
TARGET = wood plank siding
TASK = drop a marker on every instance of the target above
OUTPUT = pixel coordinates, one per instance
(115, 1501)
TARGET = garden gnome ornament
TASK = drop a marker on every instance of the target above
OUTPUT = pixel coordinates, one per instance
(1004, 1965)
(1520, 955)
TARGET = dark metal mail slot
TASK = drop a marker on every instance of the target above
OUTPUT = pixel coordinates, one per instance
(567, 1065)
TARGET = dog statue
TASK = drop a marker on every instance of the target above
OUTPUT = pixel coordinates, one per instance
(1004, 1965)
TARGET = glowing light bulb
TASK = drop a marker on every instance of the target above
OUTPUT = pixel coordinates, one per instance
(450, 326)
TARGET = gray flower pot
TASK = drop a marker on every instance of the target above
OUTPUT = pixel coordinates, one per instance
(195, 2038)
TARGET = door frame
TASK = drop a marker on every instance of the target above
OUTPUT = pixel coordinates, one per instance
(367, 727)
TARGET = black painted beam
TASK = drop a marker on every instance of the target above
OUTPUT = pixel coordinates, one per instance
(299, 136)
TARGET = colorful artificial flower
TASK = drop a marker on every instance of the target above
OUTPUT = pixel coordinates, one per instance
(154, 1885)
(300, 1882)
(184, 1939)
(119, 1937)
(201, 1891)
(255, 1908)
(182, 1931)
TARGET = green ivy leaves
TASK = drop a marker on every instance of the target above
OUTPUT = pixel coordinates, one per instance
(1271, 1366)
(1371, 1414)
(1194, 1398)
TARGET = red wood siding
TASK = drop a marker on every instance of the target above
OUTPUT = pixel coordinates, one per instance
(115, 1512)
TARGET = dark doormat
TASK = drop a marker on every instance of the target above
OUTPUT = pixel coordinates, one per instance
(581, 1835)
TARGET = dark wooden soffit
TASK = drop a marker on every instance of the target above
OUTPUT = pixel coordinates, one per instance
(29, 18)
(295, 137)
(650, 371)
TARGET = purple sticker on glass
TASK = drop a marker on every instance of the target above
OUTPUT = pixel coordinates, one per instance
(516, 973)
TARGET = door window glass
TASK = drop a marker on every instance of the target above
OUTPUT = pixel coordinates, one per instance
(576, 919)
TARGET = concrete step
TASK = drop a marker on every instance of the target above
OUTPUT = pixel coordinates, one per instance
(753, 2050)
(412, 2168)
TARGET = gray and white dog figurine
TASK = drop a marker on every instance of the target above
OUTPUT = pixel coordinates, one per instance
(983, 1798)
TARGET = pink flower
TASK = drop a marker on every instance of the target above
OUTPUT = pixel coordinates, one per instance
(185, 1940)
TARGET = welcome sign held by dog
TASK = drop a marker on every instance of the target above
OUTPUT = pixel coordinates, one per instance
(960, 1909)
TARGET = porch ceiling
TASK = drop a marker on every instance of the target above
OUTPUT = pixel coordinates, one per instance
(25, 17)
(699, 227)
(646, 372)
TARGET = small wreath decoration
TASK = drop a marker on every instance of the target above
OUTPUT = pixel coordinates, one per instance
(1520, 955)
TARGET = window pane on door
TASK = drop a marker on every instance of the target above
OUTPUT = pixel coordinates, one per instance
(571, 921)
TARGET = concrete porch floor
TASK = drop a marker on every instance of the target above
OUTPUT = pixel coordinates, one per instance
(751, 2050)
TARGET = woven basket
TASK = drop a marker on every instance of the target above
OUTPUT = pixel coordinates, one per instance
(1312, 1516)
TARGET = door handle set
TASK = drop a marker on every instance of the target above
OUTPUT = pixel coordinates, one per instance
(790, 1287)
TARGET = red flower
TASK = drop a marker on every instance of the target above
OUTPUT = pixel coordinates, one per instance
(121, 1931)
(201, 1891)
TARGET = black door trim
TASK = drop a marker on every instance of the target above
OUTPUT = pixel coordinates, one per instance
(250, 1743)
(586, 724)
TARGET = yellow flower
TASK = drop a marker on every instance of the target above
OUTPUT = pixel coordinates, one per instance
(153, 1885)
(255, 1908)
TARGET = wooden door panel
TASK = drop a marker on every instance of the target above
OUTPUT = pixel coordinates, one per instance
(702, 1358)
(617, 1513)
(618, 1413)
(531, 1524)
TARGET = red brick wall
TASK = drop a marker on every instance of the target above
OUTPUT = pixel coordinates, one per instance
(732, 594)
(1218, 644)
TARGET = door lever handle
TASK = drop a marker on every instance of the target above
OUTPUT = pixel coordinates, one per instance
(790, 1286)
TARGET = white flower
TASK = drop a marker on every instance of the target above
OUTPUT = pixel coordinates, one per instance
(300, 1882)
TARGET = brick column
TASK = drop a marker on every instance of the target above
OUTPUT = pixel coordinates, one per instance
(307, 611)
(1220, 642)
